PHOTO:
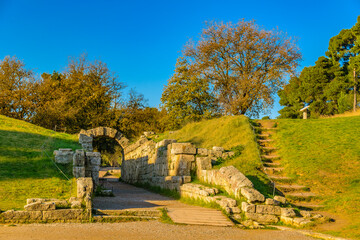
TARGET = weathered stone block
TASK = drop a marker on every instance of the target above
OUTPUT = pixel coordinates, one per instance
(218, 149)
(183, 148)
(202, 152)
(300, 222)
(76, 204)
(287, 212)
(85, 139)
(94, 158)
(252, 195)
(249, 208)
(40, 206)
(85, 187)
(186, 179)
(280, 199)
(21, 215)
(270, 201)
(203, 163)
(262, 218)
(65, 214)
(79, 158)
(78, 172)
(287, 220)
(268, 209)
(64, 155)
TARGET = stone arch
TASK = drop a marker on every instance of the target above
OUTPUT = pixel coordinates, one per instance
(86, 137)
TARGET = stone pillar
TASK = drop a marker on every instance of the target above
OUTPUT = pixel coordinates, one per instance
(181, 159)
(79, 164)
(86, 142)
(85, 188)
(93, 161)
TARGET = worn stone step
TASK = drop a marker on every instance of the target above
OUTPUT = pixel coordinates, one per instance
(115, 218)
(263, 136)
(291, 187)
(272, 164)
(301, 196)
(129, 212)
(309, 206)
(270, 157)
(278, 178)
(273, 170)
(266, 149)
(265, 140)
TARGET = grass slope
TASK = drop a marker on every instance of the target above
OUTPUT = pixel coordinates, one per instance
(25, 171)
(228, 132)
(325, 155)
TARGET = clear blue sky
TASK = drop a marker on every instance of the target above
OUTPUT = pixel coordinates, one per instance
(141, 40)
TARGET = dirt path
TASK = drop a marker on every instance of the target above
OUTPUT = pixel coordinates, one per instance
(138, 230)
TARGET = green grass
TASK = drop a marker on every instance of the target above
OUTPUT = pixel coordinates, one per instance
(232, 133)
(25, 170)
(325, 155)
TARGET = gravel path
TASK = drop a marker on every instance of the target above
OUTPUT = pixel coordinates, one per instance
(138, 230)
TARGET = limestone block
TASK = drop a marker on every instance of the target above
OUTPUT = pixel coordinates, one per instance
(252, 195)
(79, 172)
(21, 215)
(280, 199)
(235, 210)
(249, 208)
(262, 218)
(94, 158)
(218, 149)
(40, 200)
(183, 148)
(203, 163)
(270, 201)
(85, 139)
(186, 179)
(84, 187)
(76, 204)
(268, 209)
(182, 164)
(287, 220)
(305, 214)
(300, 222)
(79, 158)
(287, 212)
(87, 147)
(64, 155)
(65, 214)
(40, 206)
(202, 152)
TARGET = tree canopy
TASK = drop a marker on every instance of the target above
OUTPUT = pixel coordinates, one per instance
(240, 65)
(328, 86)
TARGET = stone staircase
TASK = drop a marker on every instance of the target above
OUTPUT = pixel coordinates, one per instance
(126, 215)
(298, 195)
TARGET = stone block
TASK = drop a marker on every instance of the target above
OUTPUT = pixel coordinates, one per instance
(300, 222)
(85, 139)
(79, 172)
(94, 158)
(287, 220)
(305, 214)
(252, 195)
(249, 208)
(268, 209)
(202, 152)
(183, 148)
(64, 155)
(287, 212)
(235, 210)
(270, 201)
(262, 218)
(218, 149)
(85, 187)
(203, 163)
(76, 204)
(186, 179)
(280, 199)
(40, 206)
(65, 214)
(79, 158)
(21, 215)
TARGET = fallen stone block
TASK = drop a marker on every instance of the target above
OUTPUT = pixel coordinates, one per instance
(287, 212)
(280, 199)
(270, 201)
(249, 208)
(252, 195)
(40, 206)
(300, 222)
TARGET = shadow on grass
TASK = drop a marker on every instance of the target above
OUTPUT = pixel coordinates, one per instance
(21, 155)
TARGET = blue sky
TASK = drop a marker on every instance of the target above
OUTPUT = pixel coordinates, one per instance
(141, 40)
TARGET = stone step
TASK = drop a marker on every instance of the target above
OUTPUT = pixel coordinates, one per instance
(263, 136)
(277, 178)
(128, 212)
(301, 196)
(268, 149)
(270, 157)
(115, 218)
(273, 170)
(265, 140)
(272, 164)
(291, 187)
(308, 205)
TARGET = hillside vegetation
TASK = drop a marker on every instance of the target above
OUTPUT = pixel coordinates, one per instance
(232, 133)
(25, 170)
(325, 154)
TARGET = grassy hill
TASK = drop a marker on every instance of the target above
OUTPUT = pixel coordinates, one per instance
(325, 155)
(232, 133)
(25, 170)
